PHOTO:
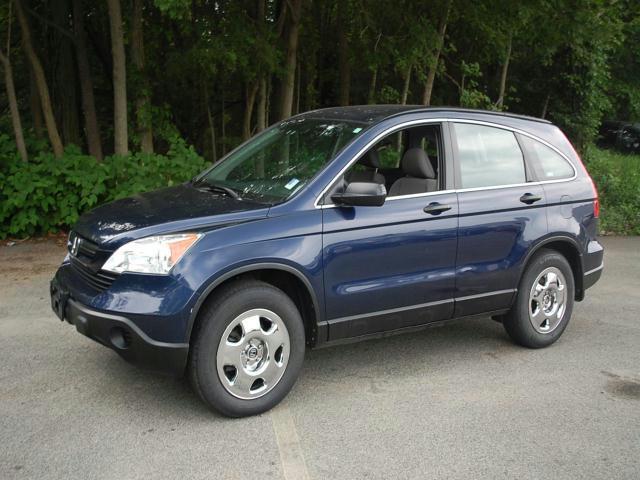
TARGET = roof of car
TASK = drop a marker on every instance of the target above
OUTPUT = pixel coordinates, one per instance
(370, 114)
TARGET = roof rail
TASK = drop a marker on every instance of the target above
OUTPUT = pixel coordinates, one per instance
(469, 110)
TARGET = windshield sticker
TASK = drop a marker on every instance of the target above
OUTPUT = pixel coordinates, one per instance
(357, 130)
(292, 183)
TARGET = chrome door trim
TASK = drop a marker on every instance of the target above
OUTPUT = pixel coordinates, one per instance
(487, 294)
(391, 310)
(419, 305)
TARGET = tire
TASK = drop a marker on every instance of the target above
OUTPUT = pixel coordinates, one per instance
(255, 320)
(543, 305)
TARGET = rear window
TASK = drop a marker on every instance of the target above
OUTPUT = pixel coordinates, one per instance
(548, 163)
(488, 156)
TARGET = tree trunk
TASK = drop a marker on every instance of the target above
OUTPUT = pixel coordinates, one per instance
(371, 97)
(142, 100)
(545, 106)
(292, 33)
(261, 113)
(431, 74)
(344, 65)
(92, 130)
(503, 74)
(41, 82)
(121, 140)
(34, 105)
(13, 104)
(65, 80)
(296, 110)
(212, 131)
(250, 100)
(405, 89)
(223, 121)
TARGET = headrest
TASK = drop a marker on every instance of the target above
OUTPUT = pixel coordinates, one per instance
(371, 159)
(415, 163)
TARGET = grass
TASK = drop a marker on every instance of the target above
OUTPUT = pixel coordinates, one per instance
(617, 177)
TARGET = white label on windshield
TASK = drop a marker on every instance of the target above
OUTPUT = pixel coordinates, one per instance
(292, 183)
(357, 130)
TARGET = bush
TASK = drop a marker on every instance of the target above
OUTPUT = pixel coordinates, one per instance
(49, 194)
(617, 177)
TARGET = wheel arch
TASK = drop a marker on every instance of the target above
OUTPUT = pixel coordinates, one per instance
(567, 247)
(285, 277)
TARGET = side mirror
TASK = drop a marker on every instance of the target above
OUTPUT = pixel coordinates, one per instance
(361, 194)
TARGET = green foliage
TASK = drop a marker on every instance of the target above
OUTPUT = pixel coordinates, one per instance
(617, 177)
(49, 194)
(471, 96)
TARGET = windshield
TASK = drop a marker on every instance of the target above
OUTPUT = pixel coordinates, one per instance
(278, 163)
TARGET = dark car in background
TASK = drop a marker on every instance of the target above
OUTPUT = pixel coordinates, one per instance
(333, 226)
(623, 136)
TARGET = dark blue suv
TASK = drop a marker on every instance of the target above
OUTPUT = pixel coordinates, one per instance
(337, 225)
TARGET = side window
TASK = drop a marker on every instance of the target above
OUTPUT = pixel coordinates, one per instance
(548, 163)
(390, 150)
(488, 156)
(406, 162)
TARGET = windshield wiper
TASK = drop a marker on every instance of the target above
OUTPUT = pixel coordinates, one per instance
(218, 188)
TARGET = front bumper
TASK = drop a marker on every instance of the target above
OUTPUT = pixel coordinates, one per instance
(119, 333)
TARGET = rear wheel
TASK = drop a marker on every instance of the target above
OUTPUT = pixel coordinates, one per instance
(544, 303)
(248, 349)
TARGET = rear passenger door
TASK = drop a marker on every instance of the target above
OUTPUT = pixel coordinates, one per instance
(501, 211)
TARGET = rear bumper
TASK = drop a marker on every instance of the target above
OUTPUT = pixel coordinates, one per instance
(119, 334)
(590, 277)
(593, 264)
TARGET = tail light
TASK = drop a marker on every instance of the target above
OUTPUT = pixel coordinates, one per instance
(596, 201)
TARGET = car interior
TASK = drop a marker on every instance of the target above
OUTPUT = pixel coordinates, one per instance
(406, 162)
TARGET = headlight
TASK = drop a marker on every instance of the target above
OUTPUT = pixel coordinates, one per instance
(152, 254)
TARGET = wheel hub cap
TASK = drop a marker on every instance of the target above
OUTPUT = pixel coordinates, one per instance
(547, 300)
(253, 353)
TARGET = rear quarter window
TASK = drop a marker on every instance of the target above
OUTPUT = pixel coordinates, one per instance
(548, 164)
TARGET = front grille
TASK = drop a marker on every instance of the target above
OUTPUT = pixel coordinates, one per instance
(87, 259)
(83, 247)
(99, 280)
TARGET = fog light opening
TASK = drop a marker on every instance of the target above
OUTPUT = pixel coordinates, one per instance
(120, 338)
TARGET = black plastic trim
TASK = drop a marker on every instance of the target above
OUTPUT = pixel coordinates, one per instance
(138, 348)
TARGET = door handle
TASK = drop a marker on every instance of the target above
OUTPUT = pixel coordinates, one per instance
(436, 208)
(530, 198)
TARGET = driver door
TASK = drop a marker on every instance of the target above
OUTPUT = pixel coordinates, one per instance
(390, 267)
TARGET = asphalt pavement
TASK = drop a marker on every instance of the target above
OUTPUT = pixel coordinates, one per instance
(454, 401)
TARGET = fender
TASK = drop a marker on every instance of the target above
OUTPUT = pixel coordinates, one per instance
(579, 293)
(251, 268)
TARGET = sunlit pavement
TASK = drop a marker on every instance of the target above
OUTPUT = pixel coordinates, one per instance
(456, 401)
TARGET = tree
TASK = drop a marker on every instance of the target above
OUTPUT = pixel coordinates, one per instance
(344, 64)
(435, 55)
(121, 139)
(92, 130)
(142, 100)
(40, 80)
(65, 79)
(5, 59)
(293, 12)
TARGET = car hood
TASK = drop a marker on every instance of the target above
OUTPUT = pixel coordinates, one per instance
(172, 209)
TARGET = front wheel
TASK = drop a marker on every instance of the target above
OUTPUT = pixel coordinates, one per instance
(544, 303)
(248, 349)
